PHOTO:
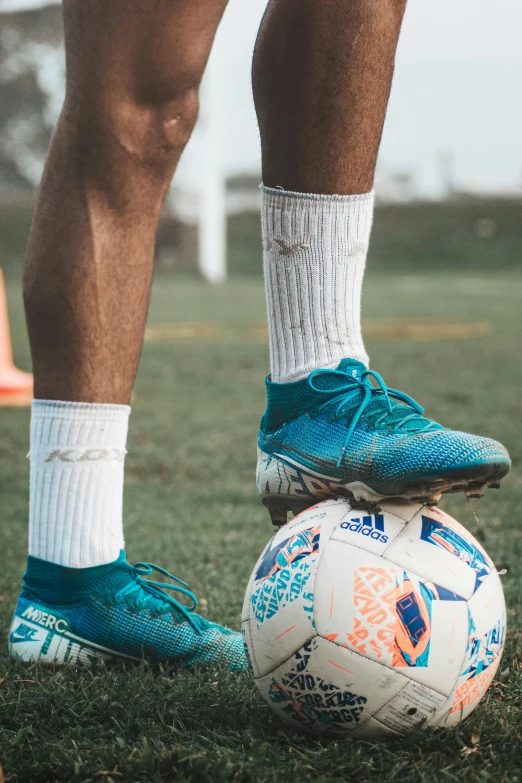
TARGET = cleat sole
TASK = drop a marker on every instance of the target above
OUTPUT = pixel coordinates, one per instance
(471, 480)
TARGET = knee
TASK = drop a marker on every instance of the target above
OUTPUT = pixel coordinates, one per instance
(139, 129)
(156, 127)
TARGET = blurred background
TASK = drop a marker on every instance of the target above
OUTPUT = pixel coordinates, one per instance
(449, 179)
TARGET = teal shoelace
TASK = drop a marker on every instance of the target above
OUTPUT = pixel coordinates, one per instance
(360, 393)
(144, 593)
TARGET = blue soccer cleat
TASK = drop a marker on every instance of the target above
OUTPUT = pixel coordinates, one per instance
(343, 432)
(93, 615)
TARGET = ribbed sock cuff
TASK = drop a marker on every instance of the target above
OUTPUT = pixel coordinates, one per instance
(295, 215)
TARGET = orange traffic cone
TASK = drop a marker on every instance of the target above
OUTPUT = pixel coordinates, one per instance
(16, 387)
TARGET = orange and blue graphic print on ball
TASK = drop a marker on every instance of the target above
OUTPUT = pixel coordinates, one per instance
(413, 607)
(483, 657)
(313, 702)
(393, 615)
(283, 572)
(455, 539)
(289, 551)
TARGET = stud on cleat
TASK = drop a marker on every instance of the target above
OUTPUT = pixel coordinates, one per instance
(278, 514)
(494, 485)
(420, 493)
(370, 506)
(279, 508)
(475, 490)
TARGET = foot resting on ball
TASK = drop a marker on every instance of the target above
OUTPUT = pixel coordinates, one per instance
(343, 432)
(92, 615)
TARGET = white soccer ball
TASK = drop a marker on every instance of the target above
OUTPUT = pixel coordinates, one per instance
(373, 624)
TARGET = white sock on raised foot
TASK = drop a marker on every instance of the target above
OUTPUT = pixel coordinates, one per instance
(315, 251)
(76, 492)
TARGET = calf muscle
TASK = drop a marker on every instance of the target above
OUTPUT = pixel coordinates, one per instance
(133, 72)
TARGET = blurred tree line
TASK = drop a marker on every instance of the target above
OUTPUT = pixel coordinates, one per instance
(31, 79)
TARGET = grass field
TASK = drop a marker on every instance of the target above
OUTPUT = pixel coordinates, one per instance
(191, 506)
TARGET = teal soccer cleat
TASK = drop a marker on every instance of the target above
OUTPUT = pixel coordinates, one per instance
(343, 432)
(93, 615)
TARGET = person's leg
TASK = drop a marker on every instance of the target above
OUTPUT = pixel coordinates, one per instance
(133, 72)
(322, 75)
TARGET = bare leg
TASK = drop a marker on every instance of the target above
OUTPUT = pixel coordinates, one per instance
(133, 72)
(322, 76)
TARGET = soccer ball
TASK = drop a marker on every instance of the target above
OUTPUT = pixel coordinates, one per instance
(376, 624)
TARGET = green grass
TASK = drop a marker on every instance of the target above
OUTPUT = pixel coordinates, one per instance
(191, 506)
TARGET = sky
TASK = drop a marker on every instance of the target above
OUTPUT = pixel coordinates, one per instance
(456, 94)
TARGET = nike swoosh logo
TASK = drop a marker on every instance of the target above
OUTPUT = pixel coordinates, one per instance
(284, 248)
(16, 638)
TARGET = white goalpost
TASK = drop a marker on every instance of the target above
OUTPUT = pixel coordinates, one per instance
(212, 211)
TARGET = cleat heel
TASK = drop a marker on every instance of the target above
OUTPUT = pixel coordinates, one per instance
(280, 507)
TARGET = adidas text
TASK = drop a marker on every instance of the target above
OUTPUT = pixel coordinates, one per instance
(372, 527)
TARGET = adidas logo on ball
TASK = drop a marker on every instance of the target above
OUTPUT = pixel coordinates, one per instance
(369, 526)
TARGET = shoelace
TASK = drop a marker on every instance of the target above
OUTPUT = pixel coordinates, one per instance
(147, 594)
(347, 395)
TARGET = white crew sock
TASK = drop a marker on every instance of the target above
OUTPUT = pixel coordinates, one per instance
(315, 251)
(76, 496)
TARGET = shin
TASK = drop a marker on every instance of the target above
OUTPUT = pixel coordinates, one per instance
(131, 103)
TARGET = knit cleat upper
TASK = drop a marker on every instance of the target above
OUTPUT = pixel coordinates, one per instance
(343, 432)
(91, 615)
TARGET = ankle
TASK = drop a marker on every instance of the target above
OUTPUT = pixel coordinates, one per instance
(314, 259)
(60, 585)
(76, 490)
